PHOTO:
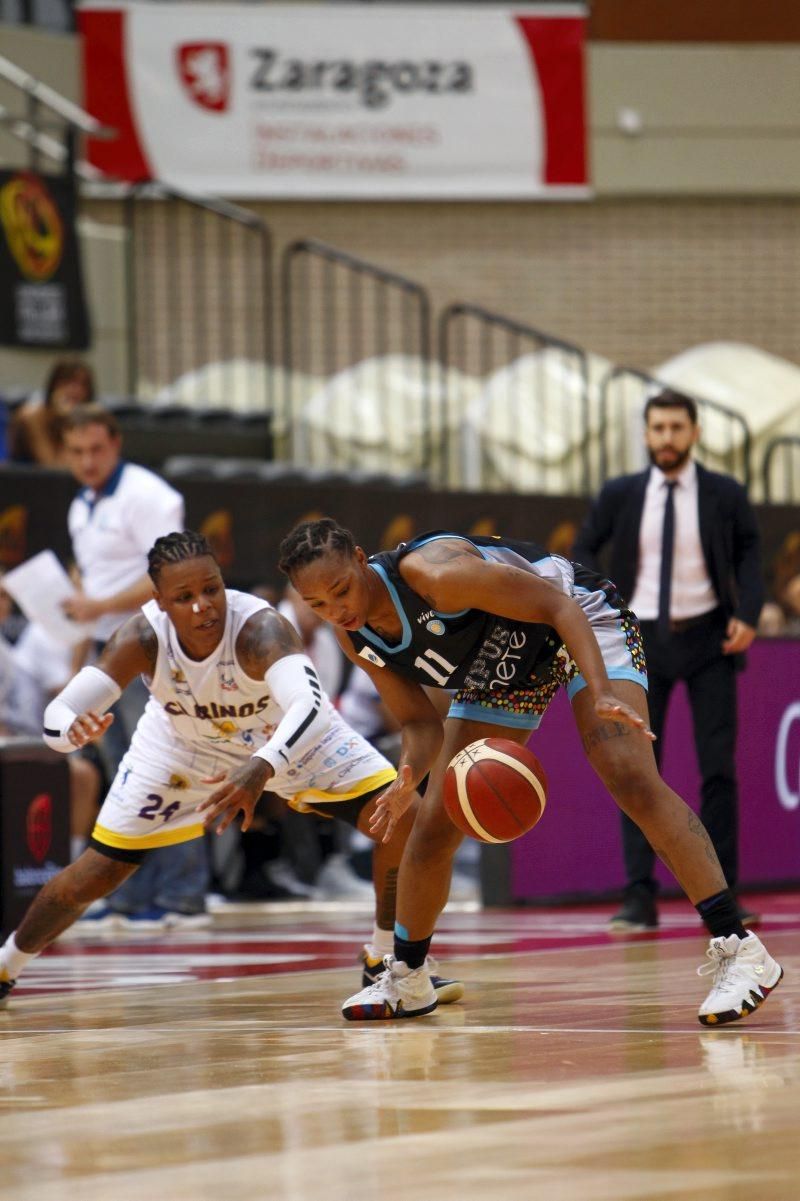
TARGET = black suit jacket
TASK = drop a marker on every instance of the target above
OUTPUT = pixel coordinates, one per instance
(728, 533)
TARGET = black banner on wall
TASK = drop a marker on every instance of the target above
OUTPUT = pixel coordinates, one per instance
(41, 298)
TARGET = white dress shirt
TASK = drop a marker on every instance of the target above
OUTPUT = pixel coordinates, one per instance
(113, 530)
(692, 593)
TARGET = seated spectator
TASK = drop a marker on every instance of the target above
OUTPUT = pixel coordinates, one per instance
(780, 617)
(35, 432)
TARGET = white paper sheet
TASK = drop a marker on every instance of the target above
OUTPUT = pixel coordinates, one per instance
(39, 586)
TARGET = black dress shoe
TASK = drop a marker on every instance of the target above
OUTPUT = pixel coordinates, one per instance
(638, 912)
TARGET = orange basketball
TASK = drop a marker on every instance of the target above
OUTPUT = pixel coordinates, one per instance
(495, 790)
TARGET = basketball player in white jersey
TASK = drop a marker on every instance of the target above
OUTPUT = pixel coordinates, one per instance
(235, 707)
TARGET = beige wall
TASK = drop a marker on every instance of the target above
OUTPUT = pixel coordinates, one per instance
(636, 281)
(715, 120)
(49, 57)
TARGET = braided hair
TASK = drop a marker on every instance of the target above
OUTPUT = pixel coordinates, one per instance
(311, 540)
(176, 548)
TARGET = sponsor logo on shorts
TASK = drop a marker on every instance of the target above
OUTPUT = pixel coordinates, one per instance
(498, 659)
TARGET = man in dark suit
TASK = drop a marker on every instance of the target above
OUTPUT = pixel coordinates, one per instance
(685, 554)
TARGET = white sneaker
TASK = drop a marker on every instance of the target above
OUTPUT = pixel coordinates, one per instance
(399, 992)
(175, 920)
(337, 879)
(282, 875)
(744, 976)
(373, 966)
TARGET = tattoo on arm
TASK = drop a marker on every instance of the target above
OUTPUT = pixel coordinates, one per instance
(148, 642)
(126, 644)
(263, 639)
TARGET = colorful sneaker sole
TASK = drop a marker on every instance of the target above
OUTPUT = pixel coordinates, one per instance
(384, 1012)
(749, 1005)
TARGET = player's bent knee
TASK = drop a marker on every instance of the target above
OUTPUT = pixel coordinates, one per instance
(433, 841)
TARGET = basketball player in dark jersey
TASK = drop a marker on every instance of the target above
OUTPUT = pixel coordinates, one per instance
(504, 624)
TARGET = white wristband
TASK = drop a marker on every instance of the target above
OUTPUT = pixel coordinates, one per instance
(90, 690)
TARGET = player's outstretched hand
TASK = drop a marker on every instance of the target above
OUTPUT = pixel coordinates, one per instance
(238, 792)
(88, 727)
(611, 708)
(392, 804)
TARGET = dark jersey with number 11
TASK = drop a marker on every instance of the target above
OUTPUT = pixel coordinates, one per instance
(470, 648)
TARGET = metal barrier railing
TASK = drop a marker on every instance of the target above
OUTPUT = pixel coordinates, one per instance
(725, 442)
(516, 410)
(200, 301)
(780, 470)
(50, 123)
(356, 359)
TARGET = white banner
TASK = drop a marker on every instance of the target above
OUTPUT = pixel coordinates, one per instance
(340, 101)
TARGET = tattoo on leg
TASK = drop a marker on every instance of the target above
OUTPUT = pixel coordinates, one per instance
(698, 829)
(387, 900)
(603, 732)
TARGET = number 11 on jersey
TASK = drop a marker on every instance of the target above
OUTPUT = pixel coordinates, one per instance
(426, 662)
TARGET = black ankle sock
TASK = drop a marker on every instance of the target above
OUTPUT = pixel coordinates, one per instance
(720, 914)
(411, 953)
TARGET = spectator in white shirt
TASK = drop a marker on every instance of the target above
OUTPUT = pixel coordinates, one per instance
(113, 521)
(685, 554)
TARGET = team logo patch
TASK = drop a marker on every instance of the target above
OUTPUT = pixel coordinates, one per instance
(227, 681)
(371, 656)
(435, 626)
(205, 72)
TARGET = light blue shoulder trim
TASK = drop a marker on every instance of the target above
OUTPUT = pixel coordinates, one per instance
(370, 635)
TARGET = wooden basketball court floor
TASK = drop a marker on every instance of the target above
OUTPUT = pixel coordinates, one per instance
(215, 1066)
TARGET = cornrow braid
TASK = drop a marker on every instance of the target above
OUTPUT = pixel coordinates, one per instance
(176, 548)
(311, 540)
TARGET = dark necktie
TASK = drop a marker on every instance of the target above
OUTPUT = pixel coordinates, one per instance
(667, 552)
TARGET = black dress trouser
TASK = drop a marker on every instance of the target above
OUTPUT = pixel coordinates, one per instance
(695, 656)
